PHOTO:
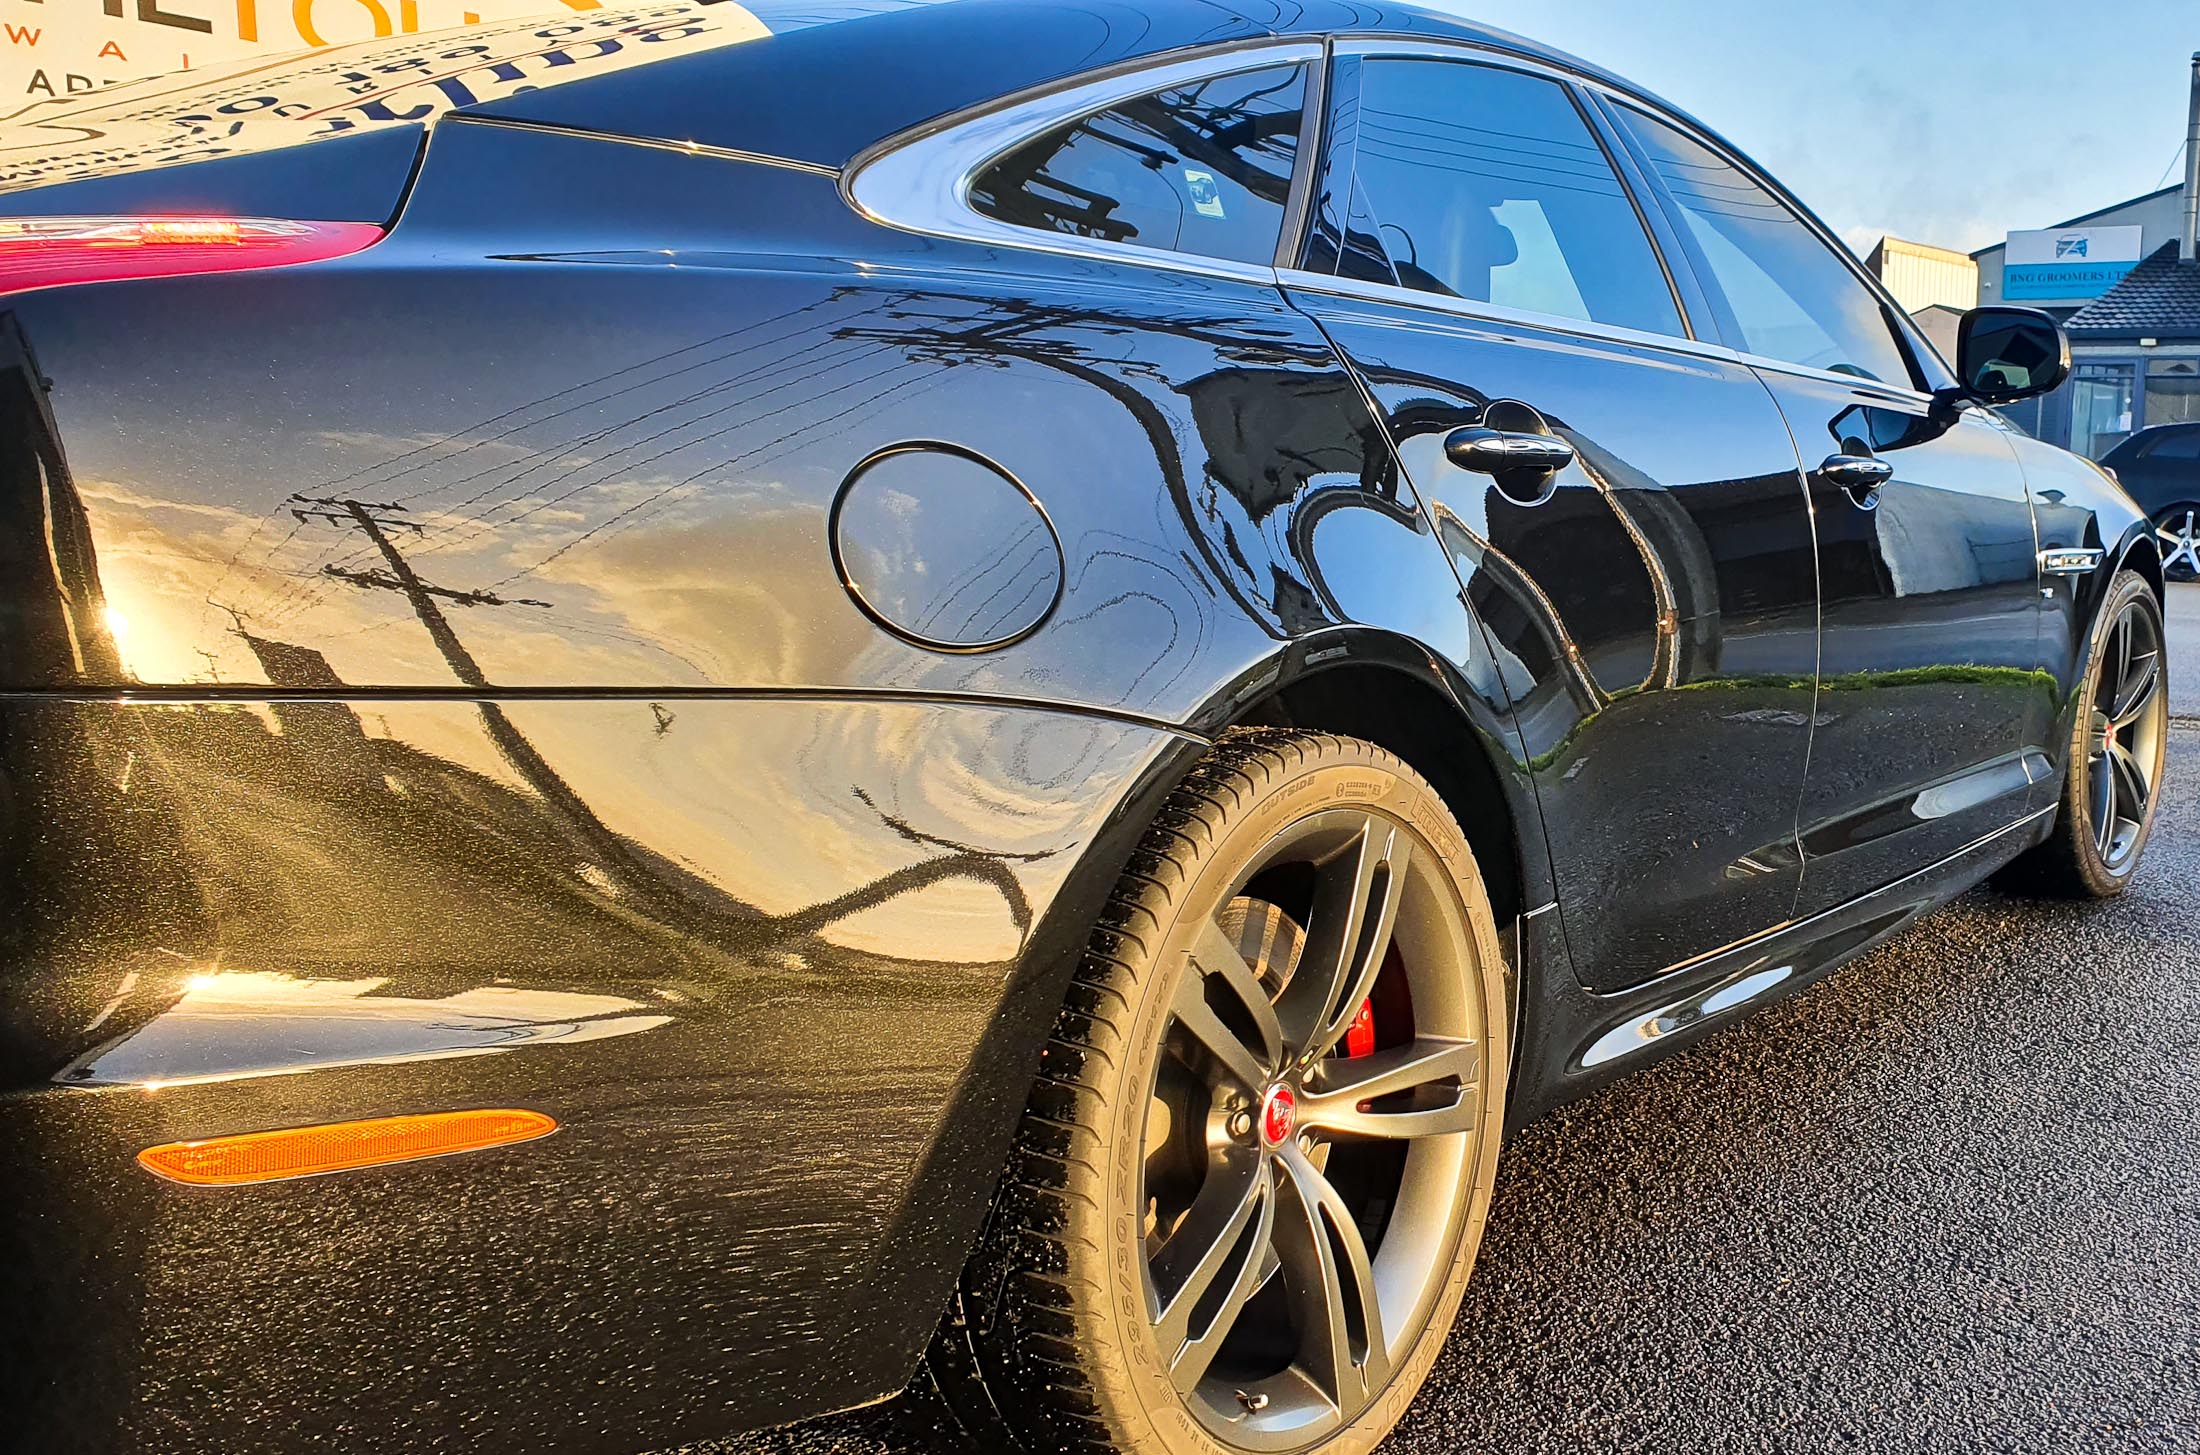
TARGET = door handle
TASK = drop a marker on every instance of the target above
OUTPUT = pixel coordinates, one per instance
(1488, 451)
(1860, 475)
(1515, 446)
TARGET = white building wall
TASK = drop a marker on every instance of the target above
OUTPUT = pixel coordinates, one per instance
(1922, 277)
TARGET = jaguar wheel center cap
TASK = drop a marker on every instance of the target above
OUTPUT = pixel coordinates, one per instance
(1279, 1116)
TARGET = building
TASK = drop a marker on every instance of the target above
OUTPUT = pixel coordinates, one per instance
(2125, 282)
(2158, 217)
(1942, 323)
(1922, 277)
(1935, 286)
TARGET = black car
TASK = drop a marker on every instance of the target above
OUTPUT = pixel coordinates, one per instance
(2160, 468)
(708, 713)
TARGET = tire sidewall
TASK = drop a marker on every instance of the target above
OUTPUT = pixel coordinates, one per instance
(1141, 1401)
(2127, 588)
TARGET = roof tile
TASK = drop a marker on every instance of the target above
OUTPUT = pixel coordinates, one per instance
(2160, 298)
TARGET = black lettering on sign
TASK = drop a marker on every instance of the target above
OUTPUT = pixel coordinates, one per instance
(150, 12)
(41, 84)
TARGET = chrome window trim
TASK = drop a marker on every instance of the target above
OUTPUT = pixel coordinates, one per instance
(920, 181)
(1906, 395)
(617, 138)
(1442, 49)
(1476, 311)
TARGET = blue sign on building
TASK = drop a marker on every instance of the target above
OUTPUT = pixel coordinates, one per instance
(2061, 280)
(2068, 262)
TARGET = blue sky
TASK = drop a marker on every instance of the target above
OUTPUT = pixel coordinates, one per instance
(1943, 123)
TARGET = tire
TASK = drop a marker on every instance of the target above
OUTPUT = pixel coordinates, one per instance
(1154, 1182)
(2092, 853)
(2177, 535)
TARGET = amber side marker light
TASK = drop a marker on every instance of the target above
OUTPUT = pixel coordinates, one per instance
(340, 1146)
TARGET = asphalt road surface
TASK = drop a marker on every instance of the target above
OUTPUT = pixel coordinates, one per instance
(1946, 1200)
(2184, 647)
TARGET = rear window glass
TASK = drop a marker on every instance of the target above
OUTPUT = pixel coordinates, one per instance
(2182, 444)
(1203, 168)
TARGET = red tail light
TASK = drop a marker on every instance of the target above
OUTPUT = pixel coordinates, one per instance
(46, 252)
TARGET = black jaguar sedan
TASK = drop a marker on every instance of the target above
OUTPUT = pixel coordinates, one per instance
(2159, 468)
(706, 713)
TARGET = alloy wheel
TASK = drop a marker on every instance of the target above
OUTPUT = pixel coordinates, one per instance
(2130, 714)
(1316, 1102)
(2178, 530)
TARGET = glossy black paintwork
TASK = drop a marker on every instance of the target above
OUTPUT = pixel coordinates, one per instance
(1930, 698)
(441, 691)
(2158, 482)
(743, 951)
(2076, 506)
(651, 445)
(355, 177)
(1655, 618)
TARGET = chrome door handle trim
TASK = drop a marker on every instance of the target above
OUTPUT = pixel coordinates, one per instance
(1852, 471)
(1859, 475)
(2071, 560)
(1487, 451)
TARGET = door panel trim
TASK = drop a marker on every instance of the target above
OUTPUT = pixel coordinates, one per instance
(1474, 309)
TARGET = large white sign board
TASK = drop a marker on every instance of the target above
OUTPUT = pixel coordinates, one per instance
(2068, 262)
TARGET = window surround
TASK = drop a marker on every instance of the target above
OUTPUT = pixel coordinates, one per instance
(920, 181)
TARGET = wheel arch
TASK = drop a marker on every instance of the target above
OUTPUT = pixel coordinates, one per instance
(1395, 693)
(2139, 553)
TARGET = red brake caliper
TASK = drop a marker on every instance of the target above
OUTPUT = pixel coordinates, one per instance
(1360, 1039)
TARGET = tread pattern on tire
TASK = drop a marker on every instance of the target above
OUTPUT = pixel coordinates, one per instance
(1004, 1371)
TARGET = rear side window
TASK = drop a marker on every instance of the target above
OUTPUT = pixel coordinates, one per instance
(2178, 444)
(1487, 184)
(1793, 299)
(1203, 168)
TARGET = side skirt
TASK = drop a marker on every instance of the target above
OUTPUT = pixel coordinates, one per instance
(1575, 1040)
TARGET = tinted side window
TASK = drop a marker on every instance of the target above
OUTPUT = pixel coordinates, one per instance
(1792, 298)
(1487, 184)
(2176, 444)
(1203, 168)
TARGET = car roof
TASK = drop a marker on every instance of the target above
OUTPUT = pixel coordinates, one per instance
(815, 81)
(823, 93)
(2139, 439)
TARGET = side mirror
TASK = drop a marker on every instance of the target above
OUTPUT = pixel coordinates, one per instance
(2006, 354)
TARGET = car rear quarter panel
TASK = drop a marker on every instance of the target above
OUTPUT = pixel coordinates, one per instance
(659, 834)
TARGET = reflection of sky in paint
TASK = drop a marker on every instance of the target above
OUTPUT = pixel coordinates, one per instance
(234, 1024)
